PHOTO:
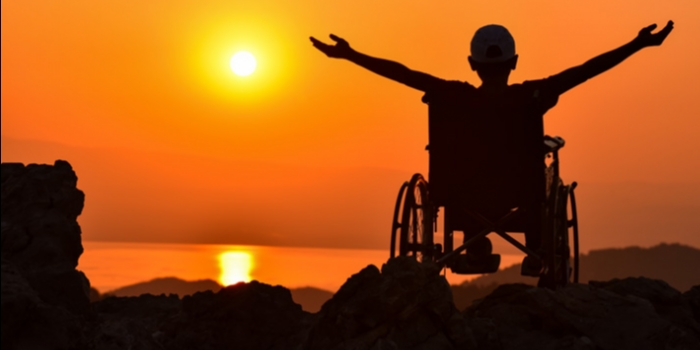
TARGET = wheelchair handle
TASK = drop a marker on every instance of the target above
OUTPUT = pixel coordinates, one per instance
(553, 143)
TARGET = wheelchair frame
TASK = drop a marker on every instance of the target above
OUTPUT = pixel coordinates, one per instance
(415, 222)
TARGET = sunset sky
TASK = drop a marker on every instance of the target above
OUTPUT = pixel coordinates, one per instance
(170, 145)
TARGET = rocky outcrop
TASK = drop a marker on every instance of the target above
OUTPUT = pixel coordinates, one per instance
(40, 233)
(692, 297)
(407, 305)
(634, 313)
(30, 323)
(243, 316)
(131, 322)
(44, 299)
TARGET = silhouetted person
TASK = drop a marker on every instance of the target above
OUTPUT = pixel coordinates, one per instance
(508, 115)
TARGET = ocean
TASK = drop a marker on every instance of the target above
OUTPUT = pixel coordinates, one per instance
(111, 265)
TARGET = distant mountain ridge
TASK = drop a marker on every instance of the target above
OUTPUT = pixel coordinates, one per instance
(311, 299)
(166, 285)
(674, 263)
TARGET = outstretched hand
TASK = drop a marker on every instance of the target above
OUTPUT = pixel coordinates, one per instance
(341, 49)
(646, 38)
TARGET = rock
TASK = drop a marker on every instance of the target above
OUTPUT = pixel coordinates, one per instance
(30, 323)
(613, 315)
(40, 232)
(692, 297)
(668, 303)
(44, 298)
(243, 316)
(407, 305)
(132, 322)
(465, 294)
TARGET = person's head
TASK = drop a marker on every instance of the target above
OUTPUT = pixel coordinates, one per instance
(493, 52)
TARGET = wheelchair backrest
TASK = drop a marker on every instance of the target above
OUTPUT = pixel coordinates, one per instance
(482, 155)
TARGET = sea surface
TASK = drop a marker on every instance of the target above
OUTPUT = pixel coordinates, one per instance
(110, 265)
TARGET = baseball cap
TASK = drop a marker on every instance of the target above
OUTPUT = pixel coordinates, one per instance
(492, 43)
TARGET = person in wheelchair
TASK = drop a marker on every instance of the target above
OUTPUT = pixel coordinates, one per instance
(491, 134)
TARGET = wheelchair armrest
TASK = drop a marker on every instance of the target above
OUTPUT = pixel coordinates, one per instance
(553, 143)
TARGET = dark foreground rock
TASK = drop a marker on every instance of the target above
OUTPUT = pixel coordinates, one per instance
(40, 232)
(130, 322)
(634, 313)
(693, 298)
(406, 305)
(44, 298)
(244, 316)
(28, 322)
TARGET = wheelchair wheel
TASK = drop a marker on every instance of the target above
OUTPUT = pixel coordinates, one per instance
(396, 223)
(555, 242)
(416, 225)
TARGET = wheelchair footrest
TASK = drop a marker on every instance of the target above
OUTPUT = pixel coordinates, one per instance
(467, 265)
(531, 266)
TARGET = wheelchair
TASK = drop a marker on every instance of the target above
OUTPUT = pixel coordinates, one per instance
(520, 192)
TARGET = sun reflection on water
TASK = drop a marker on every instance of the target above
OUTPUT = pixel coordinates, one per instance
(235, 267)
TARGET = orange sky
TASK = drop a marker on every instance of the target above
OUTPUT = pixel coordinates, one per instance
(170, 145)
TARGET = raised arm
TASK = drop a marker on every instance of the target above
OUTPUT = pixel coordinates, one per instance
(577, 75)
(389, 69)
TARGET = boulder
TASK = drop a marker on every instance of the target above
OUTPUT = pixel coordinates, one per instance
(243, 316)
(44, 298)
(692, 297)
(622, 314)
(132, 322)
(407, 305)
(668, 303)
(40, 232)
(30, 323)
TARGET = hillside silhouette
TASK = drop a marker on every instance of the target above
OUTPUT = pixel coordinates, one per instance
(311, 299)
(668, 262)
(166, 285)
(673, 263)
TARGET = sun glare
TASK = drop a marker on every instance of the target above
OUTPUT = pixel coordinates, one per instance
(235, 267)
(243, 63)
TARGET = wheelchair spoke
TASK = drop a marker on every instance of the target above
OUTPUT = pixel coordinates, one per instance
(414, 236)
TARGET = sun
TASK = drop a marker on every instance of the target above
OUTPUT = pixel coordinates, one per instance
(235, 267)
(243, 63)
